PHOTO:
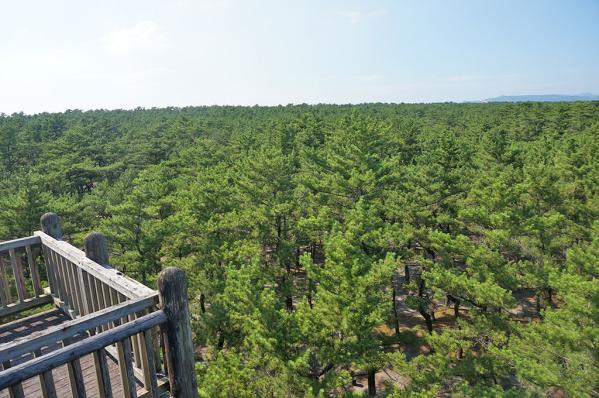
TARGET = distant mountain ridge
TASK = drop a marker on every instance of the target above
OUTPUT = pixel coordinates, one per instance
(544, 98)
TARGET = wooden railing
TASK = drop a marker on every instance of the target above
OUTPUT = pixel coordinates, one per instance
(146, 332)
(18, 292)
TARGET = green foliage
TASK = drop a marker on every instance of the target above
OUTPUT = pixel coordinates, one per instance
(296, 226)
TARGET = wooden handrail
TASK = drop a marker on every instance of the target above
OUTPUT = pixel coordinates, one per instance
(124, 285)
(17, 250)
(19, 243)
(37, 340)
(54, 359)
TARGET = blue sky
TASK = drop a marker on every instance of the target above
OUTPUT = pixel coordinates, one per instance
(63, 54)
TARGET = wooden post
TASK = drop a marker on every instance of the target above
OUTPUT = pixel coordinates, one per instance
(51, 225)
(172, 286)
(95, 246)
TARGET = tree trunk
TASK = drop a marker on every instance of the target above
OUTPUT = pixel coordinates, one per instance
(395, 315)
(427, 318)
(202, 303)
(456, 308)
(221, 340)
(422, 310)
(456, 305)
(371, 382)
(550, 297)
(406, 271)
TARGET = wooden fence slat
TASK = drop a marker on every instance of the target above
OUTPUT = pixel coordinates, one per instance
(16, 390)
(75, 375)
(46, 379)
(101, 301)
(135, 344)
(4, 286)
(35, 277)
(150, 382)
(71, 294)
(17, 269)
(58, 277)
(50, 271)
(76, 290)
(102, 374)
(129, 386)
(84, 290)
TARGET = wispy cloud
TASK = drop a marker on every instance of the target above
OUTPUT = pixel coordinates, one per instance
(143, 36)
(356, 17)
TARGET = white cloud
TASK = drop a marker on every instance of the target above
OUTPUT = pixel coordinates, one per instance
(143, 36)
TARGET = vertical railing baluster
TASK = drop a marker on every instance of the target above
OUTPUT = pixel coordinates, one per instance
(15, 391)
(17, 270)
(4, 285)
(46, 380)
(150, 381)
(35, 278)
(102, 374)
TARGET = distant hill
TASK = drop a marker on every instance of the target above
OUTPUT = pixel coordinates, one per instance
(544, 98)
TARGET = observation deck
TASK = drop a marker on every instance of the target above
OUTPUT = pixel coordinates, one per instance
(73, 326)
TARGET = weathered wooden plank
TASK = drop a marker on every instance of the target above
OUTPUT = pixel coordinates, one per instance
(156, 340)
(63, 281)
(49, 271)
(65, 275)
(75, 375)
(126, 363)
(63, 355)
(15, 390)
(59, 277)
(135, 343)
(25, 305)
(110, 276)
(102, 374)
(35, 278)
(46, 380)
(51, 335)
(76, 289)
(17, 270)
(19, 243)
(92, 293)
(150, 380)
(83, 291)
(123, 349)
(101, 300)
(4, 286)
